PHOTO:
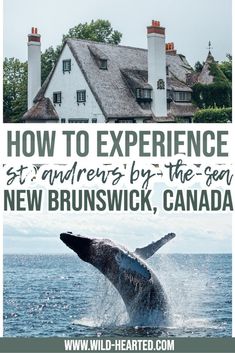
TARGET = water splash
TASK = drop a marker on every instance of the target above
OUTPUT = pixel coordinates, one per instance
(106, 307)
(186, 284)
(186, 287)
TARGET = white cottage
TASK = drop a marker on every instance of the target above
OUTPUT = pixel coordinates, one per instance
(98, 82)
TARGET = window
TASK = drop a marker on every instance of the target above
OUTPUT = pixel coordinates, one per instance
(167, 70)
(94, 120)
(79, 121)
(143, 94)
(81, 96)
(182, 96)
(127, 121)
(66, 66)
(57, 97)
(63, 121)
(103, 64)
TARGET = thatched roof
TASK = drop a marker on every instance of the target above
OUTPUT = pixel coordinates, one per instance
(98, 54)
(176, 85)
(127, 70)
(182, 109)
(205, 76)
(42, 110)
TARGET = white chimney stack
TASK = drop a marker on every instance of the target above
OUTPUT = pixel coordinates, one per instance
(157, 68)
(34, 65)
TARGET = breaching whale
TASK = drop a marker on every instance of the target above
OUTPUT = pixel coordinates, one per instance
(143, 295)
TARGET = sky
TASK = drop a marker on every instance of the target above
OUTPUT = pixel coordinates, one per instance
(190, 24)
(195, 232)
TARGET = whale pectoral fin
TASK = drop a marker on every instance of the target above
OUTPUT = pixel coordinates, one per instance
(132, 265)
(147, 251)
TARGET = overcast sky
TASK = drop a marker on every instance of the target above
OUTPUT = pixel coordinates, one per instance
(190, 24)
(195, 232)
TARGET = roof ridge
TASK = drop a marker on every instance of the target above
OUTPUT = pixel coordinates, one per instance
(103, 43)
(115, 45)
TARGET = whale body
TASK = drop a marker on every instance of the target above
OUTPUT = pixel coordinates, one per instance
(143, 295)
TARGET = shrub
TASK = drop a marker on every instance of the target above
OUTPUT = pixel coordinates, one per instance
(213, 115)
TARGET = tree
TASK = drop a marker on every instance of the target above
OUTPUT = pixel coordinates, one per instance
(226, 67)
(99, 31)
(48, 60)
(198, 66)
(14, 89)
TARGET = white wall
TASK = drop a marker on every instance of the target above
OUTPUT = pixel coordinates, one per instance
(69, 84)
(137, 120)
(156, 71)
(34, 70)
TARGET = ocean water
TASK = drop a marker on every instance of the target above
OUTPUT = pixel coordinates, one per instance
(59, 295)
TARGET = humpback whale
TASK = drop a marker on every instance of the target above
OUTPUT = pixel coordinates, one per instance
(142, 293)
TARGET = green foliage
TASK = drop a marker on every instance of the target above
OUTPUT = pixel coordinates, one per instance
(14, 89)
(216, 94)
(99, 31)
(226, 67)
(216, 115)
(212, 95)
(218, 74)
(198, 66)
(48, 60)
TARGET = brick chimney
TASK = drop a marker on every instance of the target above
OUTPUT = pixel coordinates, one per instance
(170, 48)
(34, 65)
(157, 68)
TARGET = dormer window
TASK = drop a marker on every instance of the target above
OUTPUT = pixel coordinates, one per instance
(99, 56)
(182, 96)
(103, 64)
(66, 66)
(143, 95)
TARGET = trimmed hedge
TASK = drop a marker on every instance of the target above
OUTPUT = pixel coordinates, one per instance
(213, 115)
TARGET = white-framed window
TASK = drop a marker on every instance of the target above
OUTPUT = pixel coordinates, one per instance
(63, 121)
(67, 65)
(182, 96)
(125, 121)
(77, 121)
(57, 97)
(94, 120)
(143, 94)
(81, 96)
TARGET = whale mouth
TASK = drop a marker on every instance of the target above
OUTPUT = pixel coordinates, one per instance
(79, 244)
